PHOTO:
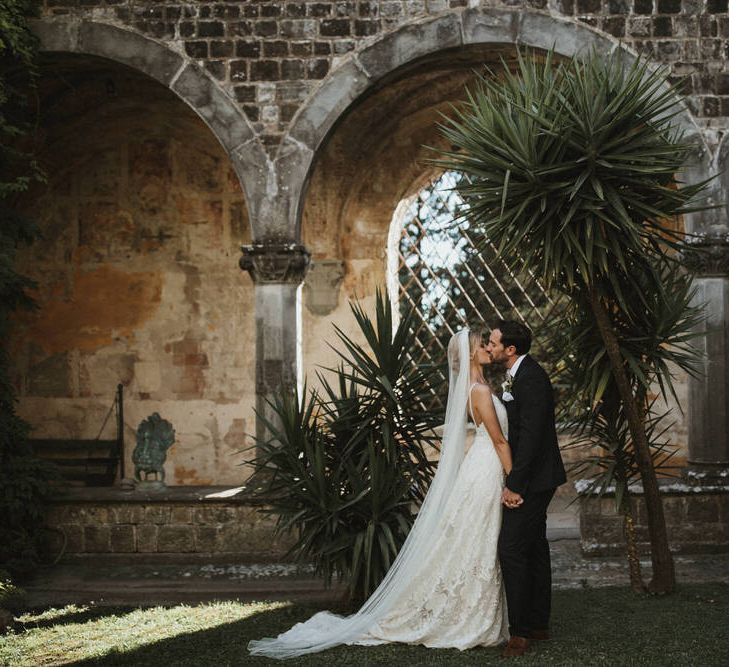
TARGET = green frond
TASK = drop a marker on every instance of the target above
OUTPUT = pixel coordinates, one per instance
(341, 469)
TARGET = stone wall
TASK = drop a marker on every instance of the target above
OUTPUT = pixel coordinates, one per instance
(321, 110)
(175, 523)
(270, 55)
(697, 520)
(141, 222)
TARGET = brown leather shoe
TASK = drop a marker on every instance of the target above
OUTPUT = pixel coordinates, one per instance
(516, 647)
(539, 635)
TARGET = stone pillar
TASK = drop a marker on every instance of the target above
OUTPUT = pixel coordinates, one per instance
(708, 259)
(277, 271)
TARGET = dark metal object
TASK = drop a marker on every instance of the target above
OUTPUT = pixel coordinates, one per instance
(91, 462)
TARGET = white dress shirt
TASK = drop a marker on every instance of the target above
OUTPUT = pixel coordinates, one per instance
(512, 371)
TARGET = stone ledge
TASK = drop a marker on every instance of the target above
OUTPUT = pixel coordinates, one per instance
(172, 494)
(697, 520)
(204, 521)
(667, 487)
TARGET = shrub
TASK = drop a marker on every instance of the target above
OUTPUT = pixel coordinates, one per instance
(345, 469)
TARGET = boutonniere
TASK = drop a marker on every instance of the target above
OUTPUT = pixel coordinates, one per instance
(506, 394)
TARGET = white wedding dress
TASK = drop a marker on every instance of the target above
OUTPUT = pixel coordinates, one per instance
(457, 598)
(445, 588)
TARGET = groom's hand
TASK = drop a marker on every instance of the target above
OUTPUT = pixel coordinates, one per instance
(510, 499)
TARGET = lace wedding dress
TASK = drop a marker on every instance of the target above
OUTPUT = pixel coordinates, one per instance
(457, 599)
(444, 590)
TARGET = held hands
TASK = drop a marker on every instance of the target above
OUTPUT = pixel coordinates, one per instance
(510, 499)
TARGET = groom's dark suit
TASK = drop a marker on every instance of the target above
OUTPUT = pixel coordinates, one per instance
(537, 471)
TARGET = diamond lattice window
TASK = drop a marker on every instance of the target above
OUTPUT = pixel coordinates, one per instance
(449, 281)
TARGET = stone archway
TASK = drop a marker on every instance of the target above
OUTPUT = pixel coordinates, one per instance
(183, 77)
(255, 170)
(358, 112)
(141, 219)
(369, 69)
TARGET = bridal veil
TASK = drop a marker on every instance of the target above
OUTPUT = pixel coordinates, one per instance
(325, 630)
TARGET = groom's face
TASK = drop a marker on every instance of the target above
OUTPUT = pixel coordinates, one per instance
(496, 350)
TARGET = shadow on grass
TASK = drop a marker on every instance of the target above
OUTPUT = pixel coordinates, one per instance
(226, 644)
(219, 645)
(590, 627)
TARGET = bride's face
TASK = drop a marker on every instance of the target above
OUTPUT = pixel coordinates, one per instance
(479, 352)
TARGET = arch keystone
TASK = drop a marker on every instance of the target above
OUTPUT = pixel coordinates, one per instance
(495, 27)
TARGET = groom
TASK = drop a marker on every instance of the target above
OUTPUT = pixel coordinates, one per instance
(536, 473)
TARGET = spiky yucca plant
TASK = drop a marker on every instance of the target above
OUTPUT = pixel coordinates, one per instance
(344, 470)
(574, 167)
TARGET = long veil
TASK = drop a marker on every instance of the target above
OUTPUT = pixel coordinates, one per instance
(325, 630)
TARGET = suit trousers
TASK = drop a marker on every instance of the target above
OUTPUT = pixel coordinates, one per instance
(525, 564)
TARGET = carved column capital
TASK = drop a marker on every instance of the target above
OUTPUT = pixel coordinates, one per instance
(275, 263)
(707, 256)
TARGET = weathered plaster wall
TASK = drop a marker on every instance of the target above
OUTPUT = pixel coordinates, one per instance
(137, 277)
(374, 158)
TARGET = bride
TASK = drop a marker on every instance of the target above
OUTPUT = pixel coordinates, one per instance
(444, 589)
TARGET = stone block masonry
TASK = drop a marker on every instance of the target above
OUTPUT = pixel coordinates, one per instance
(697, 520)
(270, 55)
(182, 522)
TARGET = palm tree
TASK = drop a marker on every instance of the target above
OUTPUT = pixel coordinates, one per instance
(573, 167)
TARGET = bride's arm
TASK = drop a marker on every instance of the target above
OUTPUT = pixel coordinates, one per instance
(487, 412)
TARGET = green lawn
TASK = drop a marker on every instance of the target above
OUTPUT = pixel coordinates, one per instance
(591, 627)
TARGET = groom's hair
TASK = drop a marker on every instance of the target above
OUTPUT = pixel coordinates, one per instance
(516, 334)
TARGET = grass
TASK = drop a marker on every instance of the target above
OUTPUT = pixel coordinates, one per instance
(607, 626)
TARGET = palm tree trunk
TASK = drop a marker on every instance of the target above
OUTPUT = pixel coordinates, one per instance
(626, 507)
(636, 575)
(664, 577)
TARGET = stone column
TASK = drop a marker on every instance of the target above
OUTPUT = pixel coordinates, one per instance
(708, 259)
(277, 271)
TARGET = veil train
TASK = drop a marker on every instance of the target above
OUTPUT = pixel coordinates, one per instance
(325, 630)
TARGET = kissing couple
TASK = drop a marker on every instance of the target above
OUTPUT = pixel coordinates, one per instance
(475, 568)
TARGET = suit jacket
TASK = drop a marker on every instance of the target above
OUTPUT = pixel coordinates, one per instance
(537, 462)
